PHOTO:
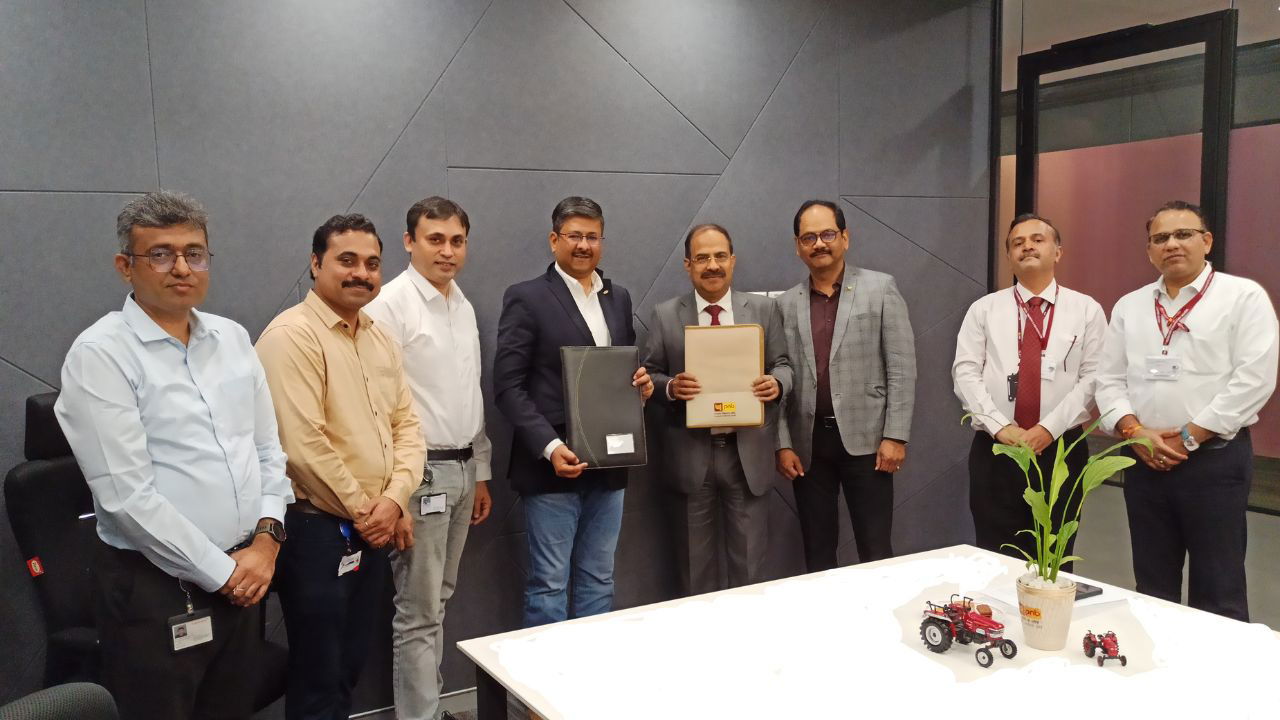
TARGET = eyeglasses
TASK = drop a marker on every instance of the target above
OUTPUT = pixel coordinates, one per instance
(1181, 235)
(577, 237)
(162, 259)
(826, 236)
(721, 258)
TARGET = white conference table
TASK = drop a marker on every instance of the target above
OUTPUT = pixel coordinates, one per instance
(843, 642)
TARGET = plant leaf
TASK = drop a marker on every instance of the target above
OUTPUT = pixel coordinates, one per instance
(1039, 509)
(1070, 558)
(1021, 454)
(1099, 469)
(1024, 552)
(1060, 472)
(1064, 536)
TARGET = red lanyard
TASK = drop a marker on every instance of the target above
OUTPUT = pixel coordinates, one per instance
(1022, 309)
(1166, 325)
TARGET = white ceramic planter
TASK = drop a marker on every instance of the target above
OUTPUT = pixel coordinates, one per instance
(1046, 614)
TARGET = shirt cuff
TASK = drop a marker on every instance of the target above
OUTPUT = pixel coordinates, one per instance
(214, 574)
(1053, 426)
(1115, 415)
(550, 448)
(994, 424)
(272, 507)
(484, 472)
(1213, 422)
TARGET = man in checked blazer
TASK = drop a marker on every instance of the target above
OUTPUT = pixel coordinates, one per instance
(723, 474)
(848, 420)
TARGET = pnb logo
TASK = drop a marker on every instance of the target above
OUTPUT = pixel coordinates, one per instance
(1030, 613)
(725, 407)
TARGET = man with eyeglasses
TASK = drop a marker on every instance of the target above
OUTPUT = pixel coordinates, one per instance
(355, 456)
(425, 312)
(1188, 361)
(170, 418)
(723, 474)
(572, 513)
(1025, 367)
(848, 420)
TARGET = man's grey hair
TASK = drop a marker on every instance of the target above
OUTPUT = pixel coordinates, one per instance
(575, 206)
(160, 209)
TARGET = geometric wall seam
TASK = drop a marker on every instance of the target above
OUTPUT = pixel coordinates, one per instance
(151, 92)
(849, 199)
(897, 503)
(28, 373)
(679, 243)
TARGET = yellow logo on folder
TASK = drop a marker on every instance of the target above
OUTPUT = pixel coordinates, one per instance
(725, 407)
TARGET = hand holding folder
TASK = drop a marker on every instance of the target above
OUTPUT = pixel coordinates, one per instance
(604, 409)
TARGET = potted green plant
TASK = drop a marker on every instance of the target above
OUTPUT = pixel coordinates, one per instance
(1045, 601)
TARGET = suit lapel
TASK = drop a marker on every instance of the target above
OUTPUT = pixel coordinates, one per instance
(688, 310)
(556, 285)
(613, 316)
(741, 312)
(801, 299)
(845, 310)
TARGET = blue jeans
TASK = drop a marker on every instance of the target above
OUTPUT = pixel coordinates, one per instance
(572, 534)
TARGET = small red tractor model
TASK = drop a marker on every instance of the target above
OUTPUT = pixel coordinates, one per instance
(964, 622)
(1105, 646)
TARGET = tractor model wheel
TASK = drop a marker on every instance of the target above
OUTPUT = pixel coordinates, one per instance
(1089, 648)
(936, 636)
(1101, 659)
(1123, 661)
(1008, 649)
(984, 657)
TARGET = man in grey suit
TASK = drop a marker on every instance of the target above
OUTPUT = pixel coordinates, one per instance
(725, 472)
(849, 418)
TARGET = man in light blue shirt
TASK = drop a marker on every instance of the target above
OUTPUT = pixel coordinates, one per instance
(169, 416)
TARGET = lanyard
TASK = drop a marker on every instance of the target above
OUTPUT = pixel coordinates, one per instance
(1167, 325)
(1023, 310)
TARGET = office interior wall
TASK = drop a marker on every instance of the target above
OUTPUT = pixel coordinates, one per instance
(278, 115)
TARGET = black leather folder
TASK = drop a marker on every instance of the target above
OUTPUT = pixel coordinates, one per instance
(604, 414)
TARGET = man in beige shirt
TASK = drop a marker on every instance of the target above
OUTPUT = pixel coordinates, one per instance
(355, 453)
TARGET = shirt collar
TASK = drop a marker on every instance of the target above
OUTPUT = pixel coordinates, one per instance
(1049, 295)
(1196, 285)
(429, 291)
(148, 330)
(576, 287)
(725, 302)
(326, 313)
(837, 288)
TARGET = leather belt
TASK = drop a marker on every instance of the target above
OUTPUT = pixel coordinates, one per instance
(829, 422)
(459, 454)
(303, 505)
(724, 440)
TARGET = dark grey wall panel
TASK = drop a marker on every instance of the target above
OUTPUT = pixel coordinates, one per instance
(914, 98)
(943, 227)
(946, 498)
(77, 100)
(413, 170)
(740, 49)
(787, 158)
(60, 246)
(276, 114)
(537, 88)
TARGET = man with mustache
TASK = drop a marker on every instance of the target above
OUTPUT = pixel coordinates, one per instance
(427, 315)
(1188, 361)
(849, 419)
(572, 513)
(1025, 366)
(355, 455)
(168, 413)
(724, 474)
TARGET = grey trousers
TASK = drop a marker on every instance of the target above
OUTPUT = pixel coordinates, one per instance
(425, 576)
(724, 500)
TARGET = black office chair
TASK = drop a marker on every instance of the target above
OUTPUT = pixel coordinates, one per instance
(74, 701)
(51, 511)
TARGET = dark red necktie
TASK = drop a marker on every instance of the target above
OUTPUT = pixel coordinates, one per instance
(1026, 410)
(715, 311)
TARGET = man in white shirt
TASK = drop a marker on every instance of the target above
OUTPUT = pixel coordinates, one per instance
(425, 311)
(572, 514)
(170, 418)
(1188, 362)
(724, 474)
(1025, 366)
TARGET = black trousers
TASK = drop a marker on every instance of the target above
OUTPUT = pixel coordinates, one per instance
(867, 492)
(996, 484)
(329, 618)
(1196, 509)
(132, 603)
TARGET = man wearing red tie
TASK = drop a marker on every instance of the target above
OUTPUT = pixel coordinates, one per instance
(1025, 364)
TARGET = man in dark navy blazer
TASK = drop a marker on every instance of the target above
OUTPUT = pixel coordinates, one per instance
(572, 517)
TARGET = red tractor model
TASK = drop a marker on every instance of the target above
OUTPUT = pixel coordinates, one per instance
(1107, 644)
(964, 622)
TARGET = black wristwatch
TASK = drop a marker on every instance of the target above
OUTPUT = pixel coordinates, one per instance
(273, 528)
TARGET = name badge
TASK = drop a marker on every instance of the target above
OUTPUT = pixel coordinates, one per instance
(432, 504)
(1163, 367)
(190, 629)
(349, 563)
(1048, 368)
